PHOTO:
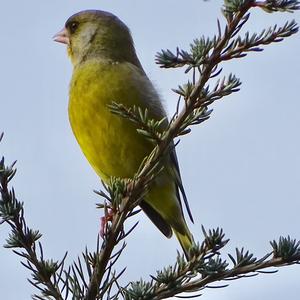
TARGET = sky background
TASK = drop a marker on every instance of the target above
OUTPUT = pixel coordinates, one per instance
(241, 169)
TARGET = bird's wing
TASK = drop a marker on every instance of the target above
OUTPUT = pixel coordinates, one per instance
(153, 214)
(178, 181)
(157, 219)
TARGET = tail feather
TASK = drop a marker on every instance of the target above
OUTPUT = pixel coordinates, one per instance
(186, 241)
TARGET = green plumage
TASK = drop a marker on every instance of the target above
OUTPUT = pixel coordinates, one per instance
(106, 69)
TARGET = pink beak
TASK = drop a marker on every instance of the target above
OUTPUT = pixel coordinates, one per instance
(62, 37)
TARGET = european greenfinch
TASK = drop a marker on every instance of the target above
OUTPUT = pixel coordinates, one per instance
(107, 69)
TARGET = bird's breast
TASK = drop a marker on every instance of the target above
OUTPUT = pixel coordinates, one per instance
(110, 143)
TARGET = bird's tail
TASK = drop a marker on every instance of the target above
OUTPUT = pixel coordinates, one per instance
(186, 241)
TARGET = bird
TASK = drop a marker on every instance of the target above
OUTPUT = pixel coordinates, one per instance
(106, 69)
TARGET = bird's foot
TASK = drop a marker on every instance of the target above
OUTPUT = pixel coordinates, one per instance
(104, 221)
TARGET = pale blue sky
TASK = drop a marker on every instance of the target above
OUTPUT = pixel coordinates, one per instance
(241, 169)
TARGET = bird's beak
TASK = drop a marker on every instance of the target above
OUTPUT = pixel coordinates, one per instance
(62, 37)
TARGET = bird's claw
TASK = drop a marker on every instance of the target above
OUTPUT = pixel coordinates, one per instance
(108, 217)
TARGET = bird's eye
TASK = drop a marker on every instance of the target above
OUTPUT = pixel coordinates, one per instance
(73, 27)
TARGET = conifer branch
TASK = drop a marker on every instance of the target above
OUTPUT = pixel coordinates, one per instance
(207, 267)
(93, 276)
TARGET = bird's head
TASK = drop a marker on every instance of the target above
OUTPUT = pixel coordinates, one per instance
(97, 34)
